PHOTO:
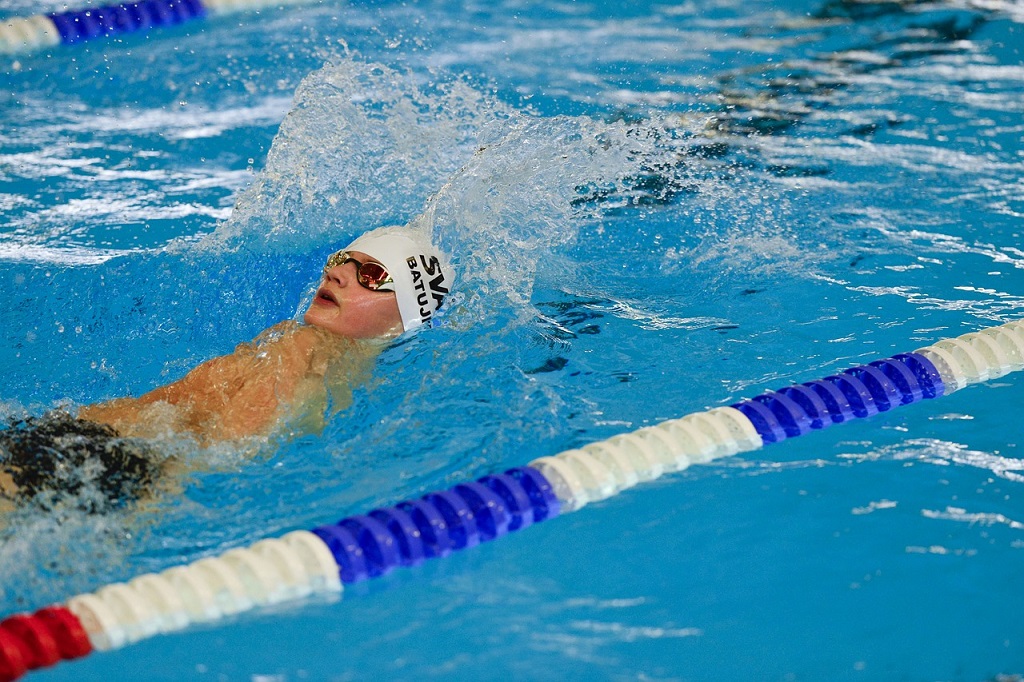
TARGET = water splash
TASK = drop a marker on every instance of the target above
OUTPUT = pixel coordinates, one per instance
(362, 145)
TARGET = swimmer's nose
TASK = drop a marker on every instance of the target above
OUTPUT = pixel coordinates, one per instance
(342, 275)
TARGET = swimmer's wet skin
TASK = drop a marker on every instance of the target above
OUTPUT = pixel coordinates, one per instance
(387, 282)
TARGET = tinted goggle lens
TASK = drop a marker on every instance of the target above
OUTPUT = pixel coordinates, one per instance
(373, 276)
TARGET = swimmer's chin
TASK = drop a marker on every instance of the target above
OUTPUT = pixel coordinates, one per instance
(387, 336)
(343, 331)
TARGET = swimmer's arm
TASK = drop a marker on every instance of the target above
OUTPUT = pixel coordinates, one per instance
(227, 397)
(198, 401)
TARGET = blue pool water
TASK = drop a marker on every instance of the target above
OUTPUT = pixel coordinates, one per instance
(657, 209)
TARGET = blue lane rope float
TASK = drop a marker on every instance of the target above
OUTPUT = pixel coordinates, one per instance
(77, 26)
(438, 523)
(19, 35)
(370, 545)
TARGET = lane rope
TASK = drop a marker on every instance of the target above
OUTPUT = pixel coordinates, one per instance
(22, 35)
(356, 548)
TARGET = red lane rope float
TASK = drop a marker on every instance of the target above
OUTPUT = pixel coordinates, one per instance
(275, 570)
(39, 640)
(366, 546)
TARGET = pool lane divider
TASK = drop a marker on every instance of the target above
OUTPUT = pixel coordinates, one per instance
(19, 35)
(356, 548)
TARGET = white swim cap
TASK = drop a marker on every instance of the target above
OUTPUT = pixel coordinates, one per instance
(421, 272)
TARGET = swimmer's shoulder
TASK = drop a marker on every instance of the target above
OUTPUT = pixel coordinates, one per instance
(295, 342)
(281, 337)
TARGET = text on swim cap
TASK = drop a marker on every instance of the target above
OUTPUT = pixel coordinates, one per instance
(421, 283)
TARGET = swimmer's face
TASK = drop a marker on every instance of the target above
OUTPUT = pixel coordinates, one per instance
(345, 307)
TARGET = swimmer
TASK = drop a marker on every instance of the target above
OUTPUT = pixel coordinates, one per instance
(295, 374)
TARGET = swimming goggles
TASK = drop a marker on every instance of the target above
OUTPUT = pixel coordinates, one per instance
(371, 275)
